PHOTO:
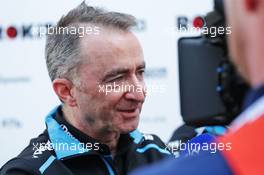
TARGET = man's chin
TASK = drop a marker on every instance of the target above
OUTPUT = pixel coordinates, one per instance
(128, 129)
(128, 125)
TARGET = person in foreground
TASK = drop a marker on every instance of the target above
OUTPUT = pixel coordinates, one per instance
(94, 130)
(247, 154)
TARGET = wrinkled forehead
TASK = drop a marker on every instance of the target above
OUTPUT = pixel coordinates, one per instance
(112, 49)
(108, 40)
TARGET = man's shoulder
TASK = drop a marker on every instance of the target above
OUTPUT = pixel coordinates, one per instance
(37, 148)
(152, 139)
(18, 165)
(151, 144)
(31, 158)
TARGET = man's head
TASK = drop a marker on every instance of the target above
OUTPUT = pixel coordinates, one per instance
(83, 68)
(246, 41)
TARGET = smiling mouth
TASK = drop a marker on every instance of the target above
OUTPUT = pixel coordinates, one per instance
(128, 110)
(130, 113)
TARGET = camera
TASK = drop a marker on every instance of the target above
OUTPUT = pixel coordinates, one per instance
(211, 90)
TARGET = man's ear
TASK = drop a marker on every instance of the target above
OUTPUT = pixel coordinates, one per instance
(251, 5)
(63, 88)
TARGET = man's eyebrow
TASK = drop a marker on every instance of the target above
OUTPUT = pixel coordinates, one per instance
(142, 65)
(115, 72)
(118, 71)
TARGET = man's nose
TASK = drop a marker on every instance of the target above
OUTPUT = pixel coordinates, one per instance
(138, 93)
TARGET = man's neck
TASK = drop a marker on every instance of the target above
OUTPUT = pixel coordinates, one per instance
(109, 138)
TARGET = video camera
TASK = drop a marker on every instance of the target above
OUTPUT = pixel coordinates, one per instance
(211, 91)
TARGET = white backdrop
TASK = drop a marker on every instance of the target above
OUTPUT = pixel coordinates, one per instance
(26, 95)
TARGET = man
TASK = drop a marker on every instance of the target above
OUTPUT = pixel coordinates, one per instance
(94, 131)
(246, 155)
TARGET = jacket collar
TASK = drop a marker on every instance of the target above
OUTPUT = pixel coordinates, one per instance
(64, 144)
(60, 140)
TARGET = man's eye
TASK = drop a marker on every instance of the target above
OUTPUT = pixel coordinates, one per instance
(114, 79)
(141, 72)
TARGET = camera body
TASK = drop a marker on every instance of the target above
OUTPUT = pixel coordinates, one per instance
(211, 91)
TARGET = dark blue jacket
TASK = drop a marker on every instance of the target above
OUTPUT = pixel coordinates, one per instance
(59, 151)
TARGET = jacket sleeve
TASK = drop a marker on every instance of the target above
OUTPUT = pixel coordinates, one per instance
(17, 166)
(15, 172)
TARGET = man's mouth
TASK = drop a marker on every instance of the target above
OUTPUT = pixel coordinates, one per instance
(130, 112)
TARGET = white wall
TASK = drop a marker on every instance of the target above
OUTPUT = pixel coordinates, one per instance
(26, 95)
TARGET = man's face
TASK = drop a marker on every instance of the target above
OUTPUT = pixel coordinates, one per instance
(112, 60)
(237, 39)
